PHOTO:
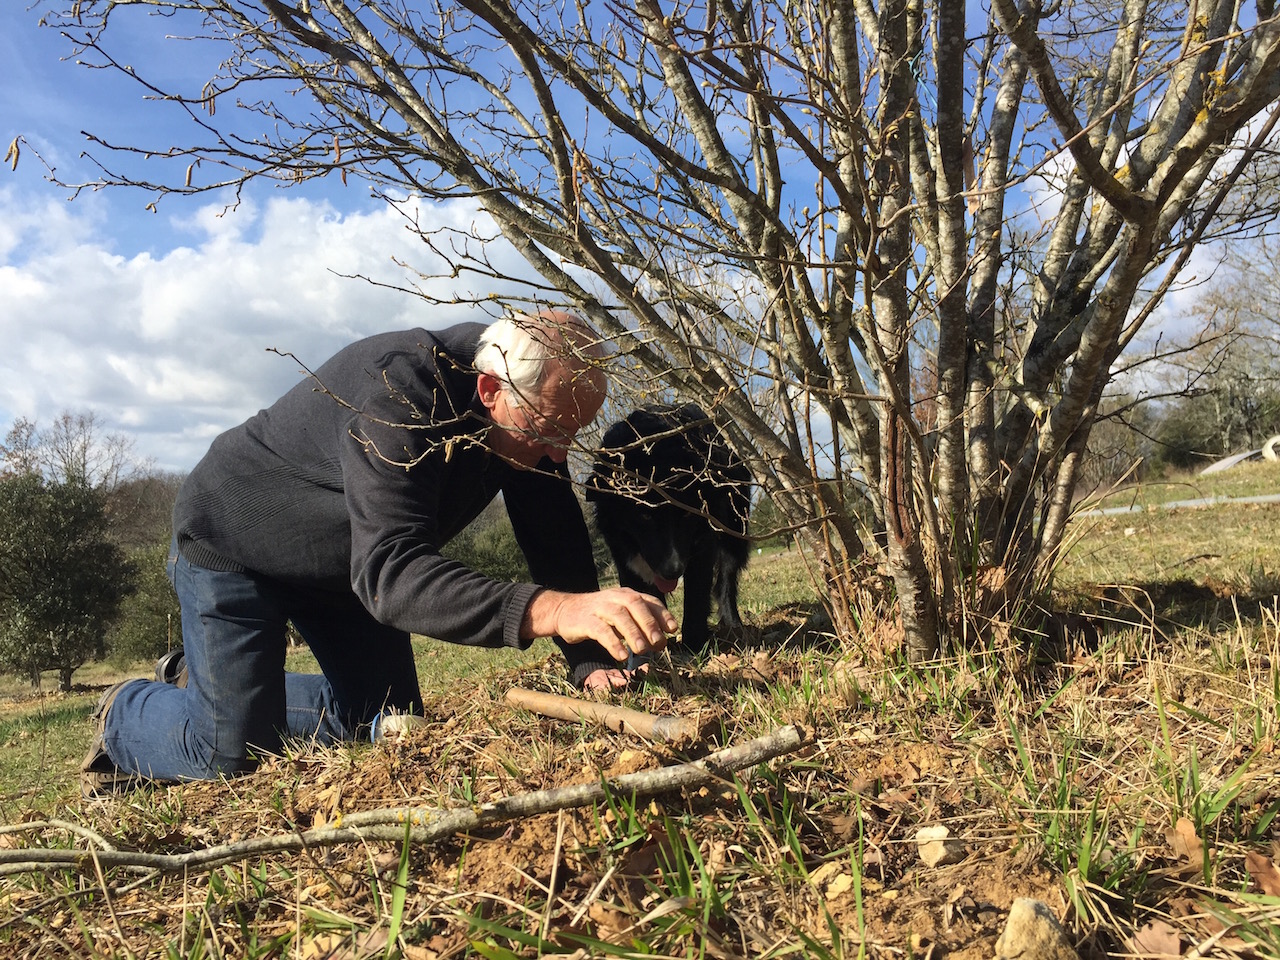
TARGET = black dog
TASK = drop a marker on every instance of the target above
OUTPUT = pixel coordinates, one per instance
(671, 501)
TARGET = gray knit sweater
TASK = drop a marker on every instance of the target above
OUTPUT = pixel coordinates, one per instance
(355, 478)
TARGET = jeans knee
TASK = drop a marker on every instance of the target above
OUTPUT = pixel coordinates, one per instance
(212, 763)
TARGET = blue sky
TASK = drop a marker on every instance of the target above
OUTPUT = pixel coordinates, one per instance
(161, 323)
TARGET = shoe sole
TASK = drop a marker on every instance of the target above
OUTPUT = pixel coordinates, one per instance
(165, 668)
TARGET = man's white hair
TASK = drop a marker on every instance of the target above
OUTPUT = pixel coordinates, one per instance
(516, 349)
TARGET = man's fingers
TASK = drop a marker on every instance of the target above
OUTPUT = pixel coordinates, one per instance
(650, 615)
(613, 641)
(624, 636)
(620, 619)
(641, 621)
(613, 679)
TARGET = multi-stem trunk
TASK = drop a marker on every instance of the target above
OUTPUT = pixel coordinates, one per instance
(912, 580)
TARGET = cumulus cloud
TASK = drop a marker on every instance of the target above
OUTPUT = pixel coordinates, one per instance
(173, 347)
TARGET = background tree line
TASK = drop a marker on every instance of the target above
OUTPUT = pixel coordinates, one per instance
(1215, 391)
(84, 535)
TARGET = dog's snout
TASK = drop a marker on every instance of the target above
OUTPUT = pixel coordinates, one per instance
(672, 566)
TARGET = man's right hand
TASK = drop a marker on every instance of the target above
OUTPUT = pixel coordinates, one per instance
(622, 620)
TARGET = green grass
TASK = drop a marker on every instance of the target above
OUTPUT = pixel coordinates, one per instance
(40, 749)
(1232, 547)
(1244, 480)
(1122, 785)
(1233, 543)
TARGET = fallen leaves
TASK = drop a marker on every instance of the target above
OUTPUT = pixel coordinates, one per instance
(833, 878)
(1184, 841)
(1156, 939)
(1264, 871)
(759, 669)
(344, 946)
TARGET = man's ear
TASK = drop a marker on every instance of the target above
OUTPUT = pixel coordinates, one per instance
(488, 387)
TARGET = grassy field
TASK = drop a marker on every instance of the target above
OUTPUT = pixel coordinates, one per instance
(1256, 478)
(1130, 782)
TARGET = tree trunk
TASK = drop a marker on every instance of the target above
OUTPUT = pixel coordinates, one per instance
(917, 601)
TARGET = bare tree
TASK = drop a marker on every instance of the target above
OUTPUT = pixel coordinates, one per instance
(817, 218)
(73, 448)
(1222, 389)
(20, 451)
(77, 449)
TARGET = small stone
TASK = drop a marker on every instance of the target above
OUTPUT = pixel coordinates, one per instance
(1032, 932)
(839, 886)
(937, 847)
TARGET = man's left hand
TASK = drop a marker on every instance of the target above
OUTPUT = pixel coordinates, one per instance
(614, 678)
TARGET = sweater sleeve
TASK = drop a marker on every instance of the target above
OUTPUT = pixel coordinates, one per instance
(405, 489)
(548, 523)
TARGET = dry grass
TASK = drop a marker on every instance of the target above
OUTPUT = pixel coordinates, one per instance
(1129, 779)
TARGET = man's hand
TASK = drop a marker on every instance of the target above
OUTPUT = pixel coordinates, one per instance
(622, 620)
(602, 681)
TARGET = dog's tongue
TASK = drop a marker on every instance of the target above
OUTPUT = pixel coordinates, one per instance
(665, 585)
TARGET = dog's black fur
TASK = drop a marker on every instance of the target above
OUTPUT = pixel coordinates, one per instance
(671, 500)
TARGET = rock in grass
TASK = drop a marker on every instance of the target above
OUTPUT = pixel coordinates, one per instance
(1033, 933)
(937, 847)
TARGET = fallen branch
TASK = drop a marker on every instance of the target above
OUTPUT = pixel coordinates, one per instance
(420, 824)
(32, 826)
(616, 718)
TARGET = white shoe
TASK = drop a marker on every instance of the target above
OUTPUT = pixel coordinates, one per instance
(394, 725)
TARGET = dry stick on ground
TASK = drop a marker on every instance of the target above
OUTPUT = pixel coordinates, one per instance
(424, 824)
(618, 719)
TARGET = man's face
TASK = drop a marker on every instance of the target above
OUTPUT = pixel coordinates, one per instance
(528, 428)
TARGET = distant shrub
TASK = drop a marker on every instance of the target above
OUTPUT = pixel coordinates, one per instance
(489, 546)
(62, 580)
(149, 619)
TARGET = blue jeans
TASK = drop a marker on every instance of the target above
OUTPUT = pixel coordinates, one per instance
(239, 702)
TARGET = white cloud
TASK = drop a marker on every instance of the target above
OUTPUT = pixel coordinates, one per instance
(173, 347)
